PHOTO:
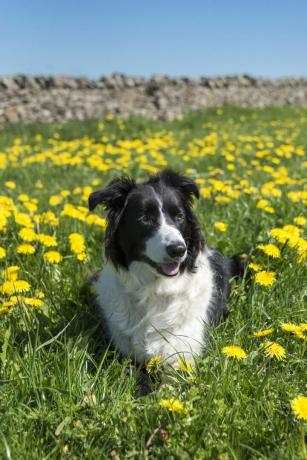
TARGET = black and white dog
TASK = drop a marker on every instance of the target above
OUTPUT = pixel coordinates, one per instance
(161, 284)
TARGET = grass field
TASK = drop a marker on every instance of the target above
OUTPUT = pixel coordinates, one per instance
(64, 392)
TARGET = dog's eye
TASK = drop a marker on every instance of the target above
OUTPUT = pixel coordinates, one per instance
(146, 219)
(178, 217)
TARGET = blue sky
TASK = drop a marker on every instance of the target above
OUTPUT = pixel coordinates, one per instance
(142, 37)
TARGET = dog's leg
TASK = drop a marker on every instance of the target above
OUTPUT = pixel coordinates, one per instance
(143, 384)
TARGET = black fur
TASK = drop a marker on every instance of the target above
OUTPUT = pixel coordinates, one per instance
(224, 269)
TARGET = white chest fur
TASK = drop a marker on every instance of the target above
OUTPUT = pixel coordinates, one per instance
(149, 315)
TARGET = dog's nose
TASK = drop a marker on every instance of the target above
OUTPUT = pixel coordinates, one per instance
(176, 249)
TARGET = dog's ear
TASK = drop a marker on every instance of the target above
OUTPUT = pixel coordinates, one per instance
(113, 196)
(187, 186)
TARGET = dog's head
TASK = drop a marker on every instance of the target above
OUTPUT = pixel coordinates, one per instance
(151, 222)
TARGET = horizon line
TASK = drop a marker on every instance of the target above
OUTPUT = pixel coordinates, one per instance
(154, 75)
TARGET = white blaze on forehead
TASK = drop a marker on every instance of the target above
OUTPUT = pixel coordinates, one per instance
(164, 236)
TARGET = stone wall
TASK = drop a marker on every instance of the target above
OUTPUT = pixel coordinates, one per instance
(58, 98)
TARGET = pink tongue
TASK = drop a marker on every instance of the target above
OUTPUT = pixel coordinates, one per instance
(171, 268)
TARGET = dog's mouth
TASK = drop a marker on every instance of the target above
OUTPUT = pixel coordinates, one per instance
(170, 268)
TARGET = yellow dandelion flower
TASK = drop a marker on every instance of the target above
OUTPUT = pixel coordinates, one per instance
(234, 351)
(87, 191)
(47, 240)
(82, 256)
(11, 273)
(23, 197)
(270, 250)
(265, 278)
(21, 286)
(280, 235)
(290, 327)
(299, 330)
(54, 200)
(65, 193)
(6, 307)
(77, 243)
(110, 117)
(14, 299)
(174, 405)
(264, 332)
(39, 294)
(78, 213)
(299, 407)
(48, 218)
(23, 219)
(292, 230)
(33, 302)
(31, 206)
(3, 223)
(27, 234)
(2, 252)
(10, 184)
(223, 456)
(301, 248)
(185, 365)
(220, 226)
(96, 220)
(274, 350)
(53, 257)
(255, 267)
(261, 204)
(77, 190)
(300, 220)
(301, 334)
(12, 287)
(25, 249)
(154, 362)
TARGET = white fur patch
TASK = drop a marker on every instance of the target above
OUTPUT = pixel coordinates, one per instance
(164, 236)
(150, 315)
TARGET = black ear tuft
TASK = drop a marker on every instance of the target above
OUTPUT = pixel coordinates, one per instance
(94, 199)
(186, 185)
(114, 195)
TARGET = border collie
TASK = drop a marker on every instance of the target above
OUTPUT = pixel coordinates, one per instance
(161, 284)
